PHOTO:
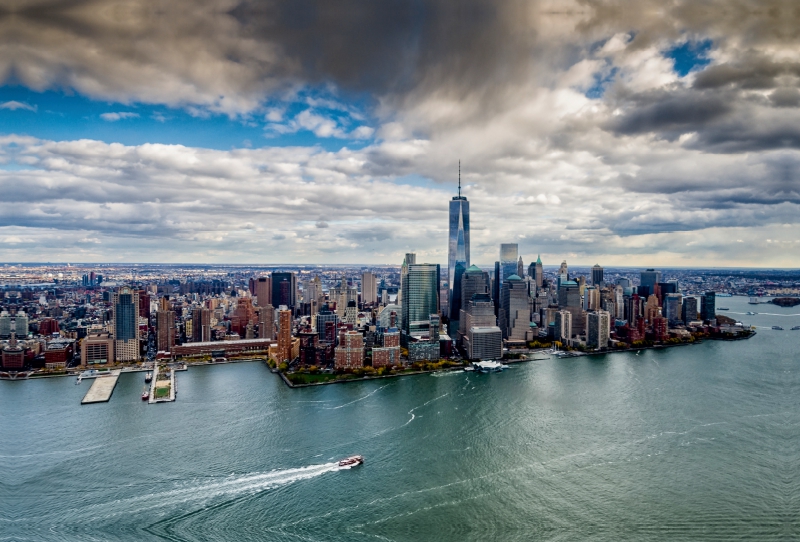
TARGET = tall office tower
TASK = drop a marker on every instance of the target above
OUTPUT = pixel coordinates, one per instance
(125, 324)
(266, 322)
(165, 331)
(597, 329)
(5, 325)
(625, 283)
(563, 324)
(325, 324)
(536, 271)
(619, 302)
(651, 308)
(591, 298)
(201, 324)
(515, 312)
(144, 304)
(633, 312)
(481, 338)
(474, 281)
(350, 313)
(164, 304)
(520, 268)
(410, 259)
(420, 298)
(597, 276)
(509, 253)
(350, 352)
(569, 299)
(284, 289)
(650, 278)
(458, 248)
(496, 288)
(708, 306)
(672, 308)
(369, 289)
(284, 334)
(689, 310)
(563, 270)
(264, 291)
(21, 325)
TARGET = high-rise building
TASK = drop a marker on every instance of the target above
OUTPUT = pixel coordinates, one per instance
(458, 248)
(97, 349)
(21, 325)
(672, 308)
(284, 289)
(420, 298)
(350, 313)
(536, 271)
(409, 259)
(201, 324)
(350, 352)
(326, 322)
(13, 355)
(369, 289)
(597, 276)
(125, 324)
(597, 329)
(520, 268)
(5, 325)
(708, 306)
(165, 331)
(650, 279)
(474, 281)
(515, 314)
(263, 289)
(689, 310)
(563, 325)
(284, 352)
(509, 254)
(266, 322)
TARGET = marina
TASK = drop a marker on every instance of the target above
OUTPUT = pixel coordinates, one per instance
(102, 388)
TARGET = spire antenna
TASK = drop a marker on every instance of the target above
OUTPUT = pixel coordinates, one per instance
(459, 178)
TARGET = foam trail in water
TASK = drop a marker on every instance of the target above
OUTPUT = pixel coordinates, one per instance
(201, 493)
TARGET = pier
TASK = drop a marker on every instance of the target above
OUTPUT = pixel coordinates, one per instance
(162, 390)
(102, 388)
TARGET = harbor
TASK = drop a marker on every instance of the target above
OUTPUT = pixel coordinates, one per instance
(101, 389)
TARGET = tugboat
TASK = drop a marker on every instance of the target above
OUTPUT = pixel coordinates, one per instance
(145, 394)
(148, 377)
(352, 461)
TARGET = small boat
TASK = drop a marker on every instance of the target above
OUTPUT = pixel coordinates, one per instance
(796, 328)
(145, 394)
(352, 461)
(148, 377)
(777, 328)
(751, 313)
(723, 309)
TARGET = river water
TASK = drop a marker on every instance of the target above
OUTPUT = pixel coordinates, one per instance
(694, 443)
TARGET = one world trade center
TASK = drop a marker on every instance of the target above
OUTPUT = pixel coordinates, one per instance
(458, 241)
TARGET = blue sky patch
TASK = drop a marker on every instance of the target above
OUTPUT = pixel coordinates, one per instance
(690, 56)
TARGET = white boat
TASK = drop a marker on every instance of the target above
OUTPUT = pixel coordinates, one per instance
(489, 366)
(777, 328)
(352, 461)
(751, 313)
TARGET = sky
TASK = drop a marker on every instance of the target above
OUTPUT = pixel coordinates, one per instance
(654, 133)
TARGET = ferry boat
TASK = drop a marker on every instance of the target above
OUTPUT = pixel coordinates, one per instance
(352, 461)
(148, 377)
(145, 394)
(753, 301)
(777, 328)
(489, 366)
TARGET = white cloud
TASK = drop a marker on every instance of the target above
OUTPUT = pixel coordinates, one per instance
(113, 117)
(14, 105)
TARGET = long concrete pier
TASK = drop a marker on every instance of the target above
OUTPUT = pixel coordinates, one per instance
(155, 385)
(102, 388)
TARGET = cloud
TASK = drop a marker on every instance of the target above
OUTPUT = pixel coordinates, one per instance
(113, 117)
(14, 105)
(571, 120)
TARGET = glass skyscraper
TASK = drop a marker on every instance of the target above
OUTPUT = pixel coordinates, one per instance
(420, 298)
(458, 249)
(509, 255)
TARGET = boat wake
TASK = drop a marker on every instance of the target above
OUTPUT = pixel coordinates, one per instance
(198, 495)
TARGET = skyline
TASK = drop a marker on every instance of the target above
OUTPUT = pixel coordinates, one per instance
(664, 136)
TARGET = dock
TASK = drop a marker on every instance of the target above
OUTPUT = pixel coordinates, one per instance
(102, 388)
(162, 391)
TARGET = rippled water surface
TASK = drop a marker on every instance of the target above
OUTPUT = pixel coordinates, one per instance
(694, 443)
